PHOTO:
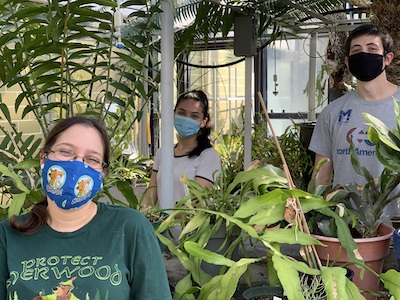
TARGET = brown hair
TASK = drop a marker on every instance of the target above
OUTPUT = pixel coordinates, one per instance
(39, 215)
(374, 30)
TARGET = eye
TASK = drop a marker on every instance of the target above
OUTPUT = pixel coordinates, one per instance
(373, 49)
(66, 153)
(90, 160)
(198, 117)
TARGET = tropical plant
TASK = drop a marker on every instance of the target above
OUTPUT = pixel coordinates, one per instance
(387, 142)
(387, 147)
(260, 215)
(63, 58)
(361, 205)
(264, 151)
(205, 19)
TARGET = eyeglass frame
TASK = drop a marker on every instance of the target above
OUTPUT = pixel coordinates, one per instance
(104, 165)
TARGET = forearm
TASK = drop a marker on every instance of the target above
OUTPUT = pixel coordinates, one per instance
(323, 170)
(150, 196)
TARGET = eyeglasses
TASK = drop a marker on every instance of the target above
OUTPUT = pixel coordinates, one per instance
(91, 161)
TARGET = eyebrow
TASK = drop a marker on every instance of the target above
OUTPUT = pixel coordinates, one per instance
(91, 151)
(369, 44)
(191, 112)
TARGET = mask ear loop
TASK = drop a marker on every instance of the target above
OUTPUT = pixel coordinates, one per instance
(384, 59)
(45, 156)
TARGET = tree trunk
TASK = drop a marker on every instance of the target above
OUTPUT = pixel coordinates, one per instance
(385, 13)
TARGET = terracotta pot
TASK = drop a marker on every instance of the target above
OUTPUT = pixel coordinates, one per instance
(373, 250)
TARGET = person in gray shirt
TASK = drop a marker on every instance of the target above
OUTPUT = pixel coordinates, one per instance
(368, 53)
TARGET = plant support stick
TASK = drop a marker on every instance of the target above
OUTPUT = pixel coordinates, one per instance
(293, 207)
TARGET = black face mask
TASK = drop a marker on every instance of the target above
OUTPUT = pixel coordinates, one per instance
(366, 66)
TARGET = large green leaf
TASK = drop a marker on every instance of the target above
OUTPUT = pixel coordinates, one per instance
(344, 235)
(334, 279)
(288, 276)
(378, 131)
(127, 191)
(289, 236)
(391, 281)
(20, 185)
(184, 289)
(27, 164)
(198, 220)
(16, 204)
(224, 286)
(208, 256)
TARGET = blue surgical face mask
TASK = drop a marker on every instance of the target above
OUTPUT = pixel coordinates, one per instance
(185, 126)
(70, 184)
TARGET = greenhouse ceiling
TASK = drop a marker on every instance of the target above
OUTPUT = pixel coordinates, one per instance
(211, 22)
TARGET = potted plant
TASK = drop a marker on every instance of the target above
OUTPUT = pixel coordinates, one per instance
(200, 225)
(259, 215)
(264, 206)
(72, 66)
(362, 207)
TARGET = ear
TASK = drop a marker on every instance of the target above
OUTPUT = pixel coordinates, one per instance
(42, 157)
(204, 122)
(389, 58)
(346, 61)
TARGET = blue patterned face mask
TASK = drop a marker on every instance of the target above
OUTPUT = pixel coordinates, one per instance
(70, 184)
(185, 126)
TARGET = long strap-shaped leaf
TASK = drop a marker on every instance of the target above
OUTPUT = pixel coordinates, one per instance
(293, 210)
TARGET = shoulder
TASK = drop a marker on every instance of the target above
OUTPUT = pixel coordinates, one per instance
(20, 218)
(119, 213)
(343, 100)
(5, 224)
(397, 93)
(210, 152)
(123, 219)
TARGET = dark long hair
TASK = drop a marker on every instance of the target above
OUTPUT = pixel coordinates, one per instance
(39, 215)
(203, 141)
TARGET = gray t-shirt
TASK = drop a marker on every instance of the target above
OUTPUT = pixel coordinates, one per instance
(342, 120)
(207, 165)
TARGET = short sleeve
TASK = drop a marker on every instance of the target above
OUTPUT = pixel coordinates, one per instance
(321, 142)
(209, 165)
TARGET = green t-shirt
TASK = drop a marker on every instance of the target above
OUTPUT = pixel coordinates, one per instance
(115, 256)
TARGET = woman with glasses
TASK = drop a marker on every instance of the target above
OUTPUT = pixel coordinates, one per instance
(194, 155)
(69, 247)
